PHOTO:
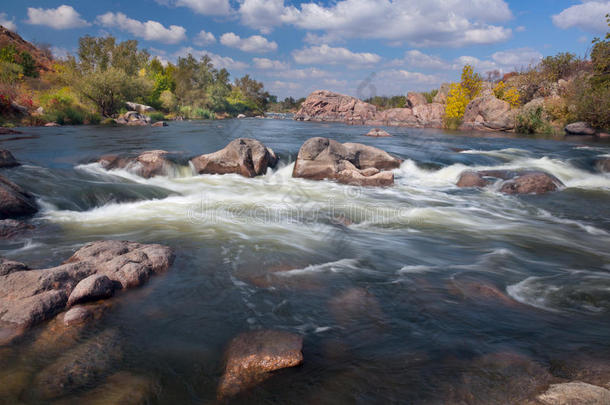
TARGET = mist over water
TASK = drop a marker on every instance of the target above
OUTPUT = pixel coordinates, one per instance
(397, 291)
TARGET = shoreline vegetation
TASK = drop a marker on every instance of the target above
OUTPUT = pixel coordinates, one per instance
(110, 82)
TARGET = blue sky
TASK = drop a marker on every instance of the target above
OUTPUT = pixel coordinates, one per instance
(356, 47)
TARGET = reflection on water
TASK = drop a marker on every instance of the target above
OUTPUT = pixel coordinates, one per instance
(418, 293)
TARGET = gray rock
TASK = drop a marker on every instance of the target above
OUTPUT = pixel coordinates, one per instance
(141, 108)
(148, 164)
(9, 266)
(579, 128)
(415, 99)
(489, 113)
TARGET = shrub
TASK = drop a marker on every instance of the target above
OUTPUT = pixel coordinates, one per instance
(472, 82)
(559, 111)
(560, 66)
(592, 103)
(430, 95)
(457, 101)
(168, 100)
(62, 107)
(508, 94)
(532, 122)
(156, 116)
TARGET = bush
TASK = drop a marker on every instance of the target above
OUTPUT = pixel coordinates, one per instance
(457, 101)
(508, 94)
(430, 95)
(156, 116)
(592, 103)
(560, 66)
(62, 107)
(532, 122)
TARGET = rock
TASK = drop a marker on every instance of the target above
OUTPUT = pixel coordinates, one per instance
(78, 314)
(9, 228)
(122, 388)
(9, 266)
(443, 92)
(241, 116)
(415, 99)
(39, 111)
(573, 393)
(489, 113)
(579, 128)
(15, 201)
(515, 182)
(141, 108)
(324, 105)
(376, 132)
(397, 117)
(323, 158)
(252, 356)
(430, 115)
(133, 118)
(603, 164)
(8, 131)
(31, 296)
(354, 305)
(80, 366)
(18, 108)
(244, 156)
(159, 124)
(148, 164)
(92, 288)
(7, 159)
(52, 124)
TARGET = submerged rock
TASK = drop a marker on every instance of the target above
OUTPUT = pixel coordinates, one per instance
(29, 297)
(148, 164)
(579, 128)
(7, 159)
(573, 393)
(252, 356)
(378, 133)
(244, 156)
(78, 314)
(10, 228)
(515, 182)
(121, 388)
(15, 201)
(8, 131)
(349, 163)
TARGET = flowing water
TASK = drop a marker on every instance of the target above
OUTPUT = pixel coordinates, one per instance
(402, 294)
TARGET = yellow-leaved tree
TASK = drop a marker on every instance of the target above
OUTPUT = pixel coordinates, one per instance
(508, 94)
(460, 94)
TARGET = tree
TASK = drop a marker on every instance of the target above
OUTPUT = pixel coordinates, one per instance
(471, 82)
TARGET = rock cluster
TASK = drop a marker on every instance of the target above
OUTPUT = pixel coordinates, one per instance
(512, 182)
(147, 164)
(133, 118)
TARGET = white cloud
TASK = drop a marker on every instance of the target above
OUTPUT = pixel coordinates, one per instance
(149, 30)
(419, 59)
(219, 61)
(419, 22)
(255, 43)
(301, 74)
(520, 28)
(517, 58)
(478, 64)
(8, 24)
(204, 38)
(411, 77)
(278, 84)
(329, 55)
(205, 7)
(589, 16)
(59, 52)
(269, 64)
(60, 18)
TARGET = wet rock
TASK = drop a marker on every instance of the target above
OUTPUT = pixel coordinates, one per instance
(377, 133)
(13, 382)
(515, 182)
(52, 124)
(9, 266)
(148, 164)
(603, 165)
(471, 179)
(10, 228)
(574, 393)
(252, 356)
(579, 128)
(489, 113)
(480, 291)
(244, 156)
(323, 158)
(323, 105)
(121, 388)
(159, 124)
(8, 131)
(92, 288)
(353, 305)
(78, 314)
(415, 99)
(15, 201)
(80, 366)
(32, 296)
(591, 370)
(7, 159)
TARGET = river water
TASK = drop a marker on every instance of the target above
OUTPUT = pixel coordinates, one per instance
(417, 293)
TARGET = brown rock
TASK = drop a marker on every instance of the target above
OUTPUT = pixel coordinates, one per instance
(121, 388)
(159, 124)
(252, 356)
(471, 179)
(489, 113)
(148, 164)
(92, 288)
(415, 99)
(378, 133)
(579, 128)
(78, 314)
(531, 183)
(15, 201)
(575, 393)
(324, 105)
(7, 159)
(10, 228)
(603, 165)
(323, 158)
(9, 266)
(443, 92)
(430, 115)
(244, 156)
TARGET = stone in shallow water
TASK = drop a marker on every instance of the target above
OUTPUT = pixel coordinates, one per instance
(76, 315)
(251, 356)
(378, 133)
(94, 287)
(575, 393)
(15, 201)
(121, 388)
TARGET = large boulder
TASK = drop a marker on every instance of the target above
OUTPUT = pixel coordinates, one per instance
(415, 99)
(148, 164)
(133, 118)
(430, 115)
(252, 356)
(349, 163)
(28, 297)
(489, 113)
(573, 393)
(443, 92)
(323, 105)
(513, 182)
(244, 156)
(579, 128)
(7, 159)
(15, 201)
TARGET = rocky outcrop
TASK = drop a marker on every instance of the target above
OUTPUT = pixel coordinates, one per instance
(28, 297)
(378, 133)
(575, 393)
(415, 99)
(15, 201)
(148, 164)
(397, 117)
(429, 115)
(579, 128)
(133, 118)
(252, 356)
(9, 266)
(7, 159)
(443, 92)
(141, 108)
(488, 113)
(349, 163)
(10, 228)
(513, 182)
(244, 156)
(324, 105)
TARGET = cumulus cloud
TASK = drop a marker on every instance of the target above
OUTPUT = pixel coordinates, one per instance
(269, 64)
(149, 30)
(204, 38)
(301, 74)
(6, 23)
(60, 18)
(419, 22)
(255, 43)
(329, 55)
(589, 16)
(419, 59)
(205, 7)
(219, 61)
(406, 76)
(517, 58)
